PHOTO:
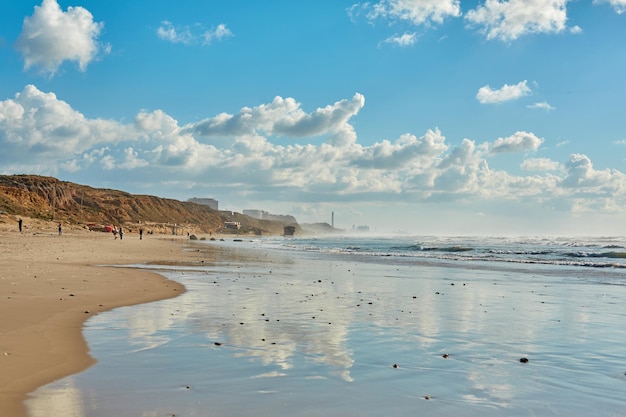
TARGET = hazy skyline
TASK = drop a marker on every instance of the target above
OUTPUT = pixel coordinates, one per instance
(429, 116)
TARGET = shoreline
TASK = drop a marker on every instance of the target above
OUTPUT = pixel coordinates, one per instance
(298, 332)
(50, 285)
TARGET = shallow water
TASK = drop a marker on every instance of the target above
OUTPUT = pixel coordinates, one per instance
(275, 333)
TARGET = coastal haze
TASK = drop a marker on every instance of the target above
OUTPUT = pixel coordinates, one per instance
(438, 117)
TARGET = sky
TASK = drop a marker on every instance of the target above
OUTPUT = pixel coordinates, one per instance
(440, 117)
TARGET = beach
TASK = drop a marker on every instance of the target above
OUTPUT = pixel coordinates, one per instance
(50, 284)
(328, 327)
(94, 326)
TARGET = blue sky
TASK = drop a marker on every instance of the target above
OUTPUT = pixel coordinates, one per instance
(426, 116)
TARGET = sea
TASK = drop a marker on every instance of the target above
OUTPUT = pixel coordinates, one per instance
(366, 325)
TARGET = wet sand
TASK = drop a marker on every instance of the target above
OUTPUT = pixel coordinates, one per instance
(284, 333)
(51, 284)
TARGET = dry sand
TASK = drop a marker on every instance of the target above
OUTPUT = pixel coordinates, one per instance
(49, 286)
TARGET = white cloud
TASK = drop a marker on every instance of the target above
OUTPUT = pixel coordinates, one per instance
(541, 106)
(108, 163)
(131, 160)
(284, 117)
(169, 33)
(417, 12)
(244, 154)
(188, 35)
(462, 171)
(618, 5)
(38, 123)
(593, 190)
(50, 36)
(487, 95)
(575, 30)
(406, 39)
(518, 142)
(581, 174)
(509, 20)
(540, 164)
(408, 150)
(217, 34)
(156, 124)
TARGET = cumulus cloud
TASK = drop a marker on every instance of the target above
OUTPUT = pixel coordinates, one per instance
(487, 95)
(285, 117)
(505, 20)
(518, 142)
(39, 123)
(266, 150)
(618, 5)
(407, 150)
(540, 164)
(51, 36)
(509, 20)
(581, 174)
(417, 12)
(592, 190)
(463, 171)
(132, 160)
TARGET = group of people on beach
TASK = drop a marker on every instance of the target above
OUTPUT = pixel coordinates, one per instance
(120, 232)
(115, 230)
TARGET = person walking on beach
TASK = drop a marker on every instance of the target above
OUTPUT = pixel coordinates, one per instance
(114, 231)
(60, 229)
(19, 224)
(121, 233)
(140, 234)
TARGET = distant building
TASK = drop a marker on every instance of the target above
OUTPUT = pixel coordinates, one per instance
(211, 202)
(264, 215)
(232, 225)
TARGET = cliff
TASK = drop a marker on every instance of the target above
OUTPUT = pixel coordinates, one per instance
(48, 198)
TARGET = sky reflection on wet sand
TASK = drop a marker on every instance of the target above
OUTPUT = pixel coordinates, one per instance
(281, 334)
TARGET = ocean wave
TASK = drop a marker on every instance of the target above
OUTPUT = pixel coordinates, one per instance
(422, 248)
(588, 253)
(614, 255)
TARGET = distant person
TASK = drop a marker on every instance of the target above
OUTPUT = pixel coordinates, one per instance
(60, 229)
(114, 231)
(19, 224)
(121, 233)
(140, 234)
